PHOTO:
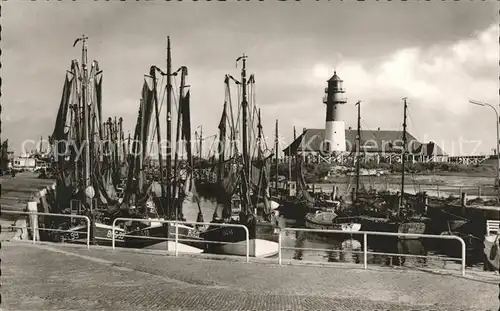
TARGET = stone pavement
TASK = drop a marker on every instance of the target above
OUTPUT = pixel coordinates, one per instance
(57, 277)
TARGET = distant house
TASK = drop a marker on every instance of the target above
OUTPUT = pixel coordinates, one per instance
(380, 145)
(23, 162)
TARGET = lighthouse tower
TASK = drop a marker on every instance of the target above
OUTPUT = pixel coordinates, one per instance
(335, 126)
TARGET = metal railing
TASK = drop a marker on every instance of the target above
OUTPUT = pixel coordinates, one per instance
(176, 233)
(34, 229)
(365, 243)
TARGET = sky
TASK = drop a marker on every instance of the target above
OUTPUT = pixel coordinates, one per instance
(437, 54)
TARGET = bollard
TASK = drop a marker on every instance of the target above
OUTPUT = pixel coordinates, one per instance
(463, 199)
(33, 208)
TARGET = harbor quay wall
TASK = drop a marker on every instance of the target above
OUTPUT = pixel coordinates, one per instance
(101, 278)
(17, 194)
(25, 187)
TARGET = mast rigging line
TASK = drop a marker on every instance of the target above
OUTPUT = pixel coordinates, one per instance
(412, 122)
(160, 106)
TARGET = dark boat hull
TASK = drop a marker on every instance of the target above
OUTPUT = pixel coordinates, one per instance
(293, 210)
(473, 246)
(386, 225)
(151, 235)
(102, 235)
(346, 224)
(232, 240)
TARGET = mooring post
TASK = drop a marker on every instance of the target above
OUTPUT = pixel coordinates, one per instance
(33, 209)
(463, 200)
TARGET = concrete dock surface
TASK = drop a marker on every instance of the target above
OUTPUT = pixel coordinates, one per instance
(58, 277)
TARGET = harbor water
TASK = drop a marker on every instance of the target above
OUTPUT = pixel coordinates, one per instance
(331, 248)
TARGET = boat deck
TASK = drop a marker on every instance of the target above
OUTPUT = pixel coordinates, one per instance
(49, 277)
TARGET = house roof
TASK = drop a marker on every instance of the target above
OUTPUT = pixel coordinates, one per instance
(371, 141)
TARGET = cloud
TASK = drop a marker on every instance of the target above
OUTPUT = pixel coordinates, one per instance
(382, 54)
(438, 81)
(437, 77)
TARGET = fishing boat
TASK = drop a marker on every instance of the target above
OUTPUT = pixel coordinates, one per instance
(403, 218)
(492, 245)
(86, 173)
(330, 221)
(107, 181)
(178, 184)
(243, 183)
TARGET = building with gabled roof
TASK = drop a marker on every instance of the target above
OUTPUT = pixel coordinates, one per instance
(380, 143)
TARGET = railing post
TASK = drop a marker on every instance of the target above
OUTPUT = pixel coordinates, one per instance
(113, 233)
(279, 247)
(176, 238)
(479, 192)
(248, 242)
(463, 255)
(365, 251)
(88, 232)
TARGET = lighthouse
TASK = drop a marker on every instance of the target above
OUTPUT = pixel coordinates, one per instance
(335, 127)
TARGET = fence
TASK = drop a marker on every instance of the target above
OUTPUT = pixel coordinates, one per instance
(365, 243)
(247, 236)
(34, 228)
(176, 233)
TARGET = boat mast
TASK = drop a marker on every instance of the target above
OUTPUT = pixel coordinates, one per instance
(141, 137)
(86, 116)
(201, 142)
(401, 202)
(158, 133)
(290, 155)
(177, 137)
(358, 147)
(169, 129)
(276, 142)
(244, 107)
(222, 144)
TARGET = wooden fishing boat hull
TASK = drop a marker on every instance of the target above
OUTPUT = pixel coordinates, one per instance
(318, 222)
(232, 240)
(454, 249)
(412, 227)
(376, 224)
(293, 210)
(153, 234)
(102, 235)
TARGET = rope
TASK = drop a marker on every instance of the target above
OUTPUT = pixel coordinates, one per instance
(412, 122)
(160, 105)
